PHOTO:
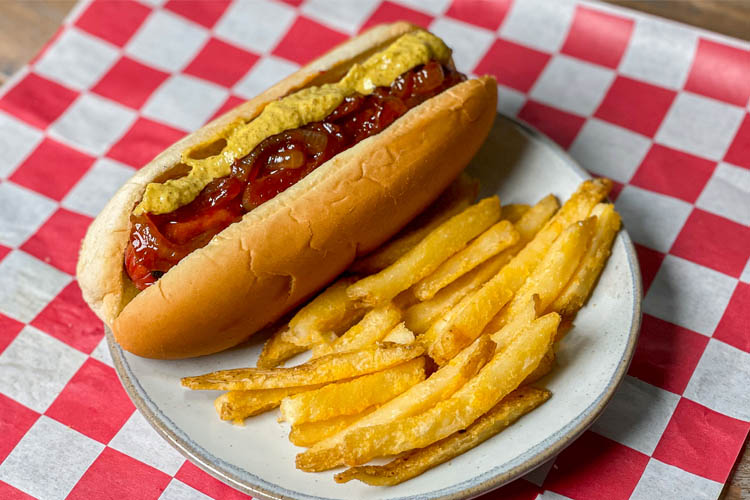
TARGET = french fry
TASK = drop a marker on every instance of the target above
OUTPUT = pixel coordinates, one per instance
(580, 285)
(309, 433)
(491, 242)
(238, 405)
(459, 195)
(514, 211)
(545, 366)
(353, 396)
(448, 238)
(370, 329)
(277, 350)
(400, 334)
(550, 276)
(534, 219)
(524, 316)
(438, 386)
(503, 374)
(502, 415)
(329, 368)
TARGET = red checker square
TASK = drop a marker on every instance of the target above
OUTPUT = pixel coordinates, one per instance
(221, 62)
(116, 475)
(594, 467)
(720, 71)
(635, 105)
(204, 12)
(57, 242)
(598, 37)
(560, 126)
(389, 12)
(617, 188)
(93, 402)
(512, 64)
(52, 169)
(666, 354)
(144, 140)
(37, 101)
(714, 242)
(520, 489)
(15, 421)
(674, 173)
(201, 481)
(9, 328)
(8, 492)
(69, 319)
(113, 20)
(650, 261)
(293, 3)
(306, 40)
(130, 82)
(3, 251)
(739, 151)
(733, 328)
(702, 441)
(480, 12)
(232, 102)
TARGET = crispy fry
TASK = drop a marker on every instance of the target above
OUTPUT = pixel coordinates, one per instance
(353, 396)
(499, 377)
(440, 385)
(514, 211)
(400, 335)
(276, 350)
(309, 433)
(453, 200)
(491, 242)
(511, 408)
(580, 285)
(329, 368)
(428, 254)
(370, 329)
(536, 217)
(238, 405)
(545, 366)
(524, 316)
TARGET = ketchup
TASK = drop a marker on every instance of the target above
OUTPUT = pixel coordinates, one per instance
(158, 242)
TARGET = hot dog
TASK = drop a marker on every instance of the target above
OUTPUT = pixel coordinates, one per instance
(234, 225)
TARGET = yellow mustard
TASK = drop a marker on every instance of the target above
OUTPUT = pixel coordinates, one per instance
(293, 111)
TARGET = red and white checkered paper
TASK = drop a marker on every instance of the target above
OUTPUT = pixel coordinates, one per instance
(660, 108)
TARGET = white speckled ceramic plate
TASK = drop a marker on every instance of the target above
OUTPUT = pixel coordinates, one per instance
(520, 165)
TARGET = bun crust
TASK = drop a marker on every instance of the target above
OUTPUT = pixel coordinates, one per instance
(261, 267)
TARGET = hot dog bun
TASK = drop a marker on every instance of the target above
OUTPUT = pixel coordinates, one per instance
(261, 267)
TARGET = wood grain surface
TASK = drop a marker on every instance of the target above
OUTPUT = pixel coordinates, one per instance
(25, 26)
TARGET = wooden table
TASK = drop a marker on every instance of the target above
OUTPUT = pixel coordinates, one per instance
(25, 25)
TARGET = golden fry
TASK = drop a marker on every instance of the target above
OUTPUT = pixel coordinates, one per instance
(352, 396)
(329, 368)
(238, 405)
(502, 415)
(545, 366)
(370, 329)
(400, 334)
(502, 335)
(309, 433)
(448, 238)
(276, 350)
(514, 211)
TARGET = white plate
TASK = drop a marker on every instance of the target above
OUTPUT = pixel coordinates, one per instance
(520, 165)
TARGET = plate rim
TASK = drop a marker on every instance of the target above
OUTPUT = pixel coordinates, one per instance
(470, 488)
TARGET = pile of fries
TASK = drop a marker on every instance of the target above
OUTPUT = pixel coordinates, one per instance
(428, 346)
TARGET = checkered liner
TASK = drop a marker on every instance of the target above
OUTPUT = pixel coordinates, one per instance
(660, 108)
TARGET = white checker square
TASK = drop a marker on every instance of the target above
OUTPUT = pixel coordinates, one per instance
(509, 101)
(551, 495)
(637, 415)
(609, 150)
(689, 295)
(700, 125)
(177, 490)
(17, 141)
(35, 367)
(666, 482)
(720, 380)
(572, 85)
(77, 59)
(745, 276)
(340, 14)
(185, 102)
(153, 3)
(27, 284)
(49, 460)
(266, 72)
(139, 440)
(167, 41)
(659, 52)
(22, 212)
(652, 219)
(539, 24)
(97, 186)
(101, 352)
(432, 7)
(93, 123)
(256, 25)
(469, 43)
(727, 193)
